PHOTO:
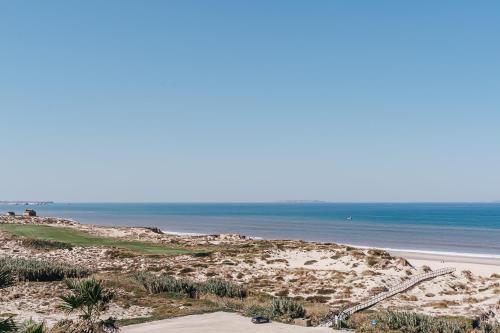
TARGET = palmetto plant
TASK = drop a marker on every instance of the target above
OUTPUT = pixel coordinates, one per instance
(7, 325)
(31, 326)
(90, 299)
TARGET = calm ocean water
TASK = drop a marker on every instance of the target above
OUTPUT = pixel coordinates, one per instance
(455, 227)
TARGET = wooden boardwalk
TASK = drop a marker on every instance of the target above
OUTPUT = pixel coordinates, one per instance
(330, 320)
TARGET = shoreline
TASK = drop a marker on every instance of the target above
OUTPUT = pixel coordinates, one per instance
(411, 252)
(480, 264)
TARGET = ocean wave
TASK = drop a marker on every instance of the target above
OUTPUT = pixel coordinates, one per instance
(178, 233)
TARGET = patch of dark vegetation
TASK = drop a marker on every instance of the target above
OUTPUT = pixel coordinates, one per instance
(282, 309)
(6, 279)
(372, 261)
(325, 291)
(186, 270)
(285, 308)
(389, 321)
(379, 253)
(45, 244)
(168, 284)
(378, 290)
(38, 270)
(155, 230)
(282, 292)
(119, 254)
(279, 261)
(318, 299)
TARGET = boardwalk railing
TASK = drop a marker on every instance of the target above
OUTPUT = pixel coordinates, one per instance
(330, 320)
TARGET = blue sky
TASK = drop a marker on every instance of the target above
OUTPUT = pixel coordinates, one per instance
(250, 100)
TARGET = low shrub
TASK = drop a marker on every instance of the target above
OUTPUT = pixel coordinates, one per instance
(286, 308)
(7, 325)
(318, 299)
(165, 283)
(44, 244)
(6, 279)
(372, 261)
(31, 326)
(257, 310)
(489, 327)
(282, 292)
(410, 322)
(38, 270)
(223, 288)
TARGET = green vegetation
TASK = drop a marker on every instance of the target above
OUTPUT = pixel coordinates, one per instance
(409, 322)
(7, 325)
(285, 308)
(167, 284)
(90, 299)
(78, 238)
(36, 270)
(31, 326)
(223, 288)
(45, 244)
(6, 279)
(282, 309)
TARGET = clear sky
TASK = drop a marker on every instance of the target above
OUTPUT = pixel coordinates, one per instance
(250, 100)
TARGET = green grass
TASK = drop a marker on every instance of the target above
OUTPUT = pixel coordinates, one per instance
(78, 238)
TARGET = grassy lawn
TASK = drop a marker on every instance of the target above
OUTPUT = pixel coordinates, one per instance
(78, 238)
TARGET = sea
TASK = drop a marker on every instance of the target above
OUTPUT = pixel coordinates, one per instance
(446, 228)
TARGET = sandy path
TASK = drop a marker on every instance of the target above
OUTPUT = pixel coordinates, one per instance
(218, 322)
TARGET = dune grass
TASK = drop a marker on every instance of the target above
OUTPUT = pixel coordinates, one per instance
(78, 238)
(41, 270)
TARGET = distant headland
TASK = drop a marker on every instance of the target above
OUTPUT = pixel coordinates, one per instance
(26, 203)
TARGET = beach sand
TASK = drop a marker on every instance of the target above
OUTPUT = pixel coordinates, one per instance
(481, 266)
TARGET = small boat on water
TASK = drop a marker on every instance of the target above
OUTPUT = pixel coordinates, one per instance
(349, 218)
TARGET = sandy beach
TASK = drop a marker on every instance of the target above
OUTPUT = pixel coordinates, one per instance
(480, 266)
